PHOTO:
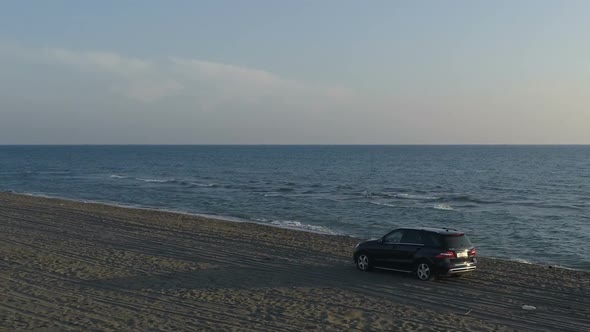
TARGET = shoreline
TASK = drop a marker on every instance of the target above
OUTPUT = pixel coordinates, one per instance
(66, 265)
(201, 215)
(239, 220)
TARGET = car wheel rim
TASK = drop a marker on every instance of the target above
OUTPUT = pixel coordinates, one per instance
(363, 262)
(423, 271)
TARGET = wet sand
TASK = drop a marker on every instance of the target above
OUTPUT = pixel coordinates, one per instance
(78, 266)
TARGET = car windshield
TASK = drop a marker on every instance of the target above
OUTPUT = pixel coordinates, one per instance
(456, 241)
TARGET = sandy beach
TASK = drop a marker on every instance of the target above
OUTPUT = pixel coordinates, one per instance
(68, 265)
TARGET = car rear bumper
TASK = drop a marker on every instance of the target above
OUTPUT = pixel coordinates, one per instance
(448, 268)
(462, 269)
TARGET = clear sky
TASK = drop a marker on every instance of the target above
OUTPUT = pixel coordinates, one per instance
(295, 72)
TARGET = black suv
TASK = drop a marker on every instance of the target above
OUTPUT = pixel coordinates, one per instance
(427, 252)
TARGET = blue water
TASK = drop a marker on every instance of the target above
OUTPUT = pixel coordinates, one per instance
(521, 202)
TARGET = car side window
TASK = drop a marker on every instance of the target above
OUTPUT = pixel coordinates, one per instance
(394, 237)
(431, 240)
(412, 237)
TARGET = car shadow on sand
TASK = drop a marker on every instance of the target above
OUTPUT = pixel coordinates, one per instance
(324, 276)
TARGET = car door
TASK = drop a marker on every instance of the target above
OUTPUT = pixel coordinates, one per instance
(410, 244)
(388, 255)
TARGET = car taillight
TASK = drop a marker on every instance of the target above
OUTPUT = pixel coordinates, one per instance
(448, 254)
(472, 252)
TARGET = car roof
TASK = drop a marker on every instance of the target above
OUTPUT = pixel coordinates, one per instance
(443, 231)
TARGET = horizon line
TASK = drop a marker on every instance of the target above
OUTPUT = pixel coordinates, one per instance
(295, 144)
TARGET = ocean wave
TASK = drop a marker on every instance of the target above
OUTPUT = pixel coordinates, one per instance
(544, 205)
(49, 172)
(417, 197)
(283, 189)
(34, 172)
(521, 260)
(415, 207)
(115, 176)
(509, 189)
(377, 194)
(567, 207)
(207, 185)
(187, 183)
(239, 186)
(465, 198)
(153, 180)
(292, 224)
(272, 195)
(387, 194)
(444, 207)
(397, 190)
(382, 204)
(556, 266)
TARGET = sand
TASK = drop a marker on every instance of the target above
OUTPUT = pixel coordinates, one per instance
(78, 266)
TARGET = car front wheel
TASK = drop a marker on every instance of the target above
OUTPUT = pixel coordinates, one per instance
(424, 271)
(363, 262)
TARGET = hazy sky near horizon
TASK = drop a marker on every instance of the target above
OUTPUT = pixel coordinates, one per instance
(295, 72)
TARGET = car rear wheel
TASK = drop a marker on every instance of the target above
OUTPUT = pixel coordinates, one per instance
(363, 262)
(424, 271)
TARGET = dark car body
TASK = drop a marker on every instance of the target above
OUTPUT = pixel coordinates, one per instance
(428, 252)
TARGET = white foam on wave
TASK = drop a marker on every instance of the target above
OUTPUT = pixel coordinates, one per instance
(272, 195)
(520, 260)
(293, 224)
(444, 207)
(562, 267)
(410, 196)
(152, 180)
(396, 206)
(289, 224)
(115, 176)
(382, 204)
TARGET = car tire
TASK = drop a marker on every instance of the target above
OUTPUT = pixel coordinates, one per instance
(423, 271)
(363, 262)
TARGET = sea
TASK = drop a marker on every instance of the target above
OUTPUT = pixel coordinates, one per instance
(524, 203)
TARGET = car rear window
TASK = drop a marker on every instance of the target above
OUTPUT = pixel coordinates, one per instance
(456, 241)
